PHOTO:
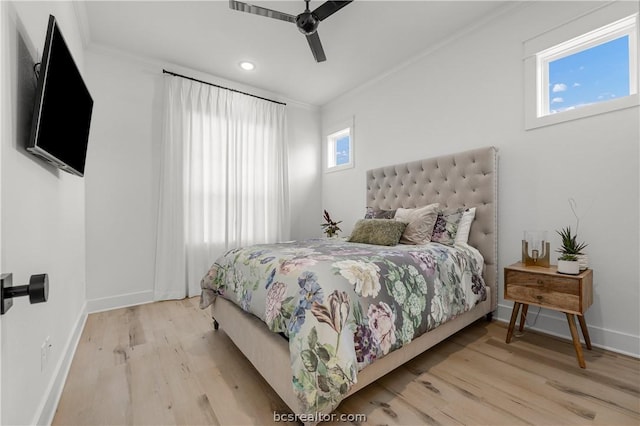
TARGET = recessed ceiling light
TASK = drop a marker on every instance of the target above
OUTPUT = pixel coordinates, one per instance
(247, 66)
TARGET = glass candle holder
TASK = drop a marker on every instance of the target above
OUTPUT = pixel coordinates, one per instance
(535, 248)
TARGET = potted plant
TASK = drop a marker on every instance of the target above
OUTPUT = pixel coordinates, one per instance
(330, 226)
(568, 264)
(583, 259)
(570, 250)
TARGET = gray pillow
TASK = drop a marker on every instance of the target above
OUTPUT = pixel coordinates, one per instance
(381, 232)
(419, 222)
(376, 213)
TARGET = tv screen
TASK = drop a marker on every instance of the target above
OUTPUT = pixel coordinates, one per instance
(62, 114)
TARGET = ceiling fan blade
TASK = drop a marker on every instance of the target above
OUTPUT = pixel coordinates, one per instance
(328, 8)
(262, 11)
(316, 47)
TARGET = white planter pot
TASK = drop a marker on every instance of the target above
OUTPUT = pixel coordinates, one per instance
(583, 260)
(569, 267)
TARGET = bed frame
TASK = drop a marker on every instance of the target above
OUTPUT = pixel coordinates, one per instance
(465, 179)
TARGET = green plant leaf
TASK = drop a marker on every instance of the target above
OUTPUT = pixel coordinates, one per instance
(323, 354)
(570, 243)
(323, 384)
(313, 338)
(309, 360)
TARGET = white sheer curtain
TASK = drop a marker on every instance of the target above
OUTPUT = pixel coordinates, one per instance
(223, 181)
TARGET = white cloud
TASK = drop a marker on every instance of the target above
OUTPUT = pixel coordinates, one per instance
(557, 100)
(559, 87)
(576, 84)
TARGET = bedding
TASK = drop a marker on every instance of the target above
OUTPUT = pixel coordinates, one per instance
(343, 305)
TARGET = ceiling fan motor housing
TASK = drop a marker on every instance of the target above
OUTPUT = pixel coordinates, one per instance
(307, 23)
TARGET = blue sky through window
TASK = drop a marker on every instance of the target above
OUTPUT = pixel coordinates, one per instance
(342, 151)
(597, 74)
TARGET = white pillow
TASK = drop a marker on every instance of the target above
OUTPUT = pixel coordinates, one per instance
(465, 225)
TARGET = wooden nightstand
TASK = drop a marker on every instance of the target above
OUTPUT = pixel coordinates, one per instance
(545, 287)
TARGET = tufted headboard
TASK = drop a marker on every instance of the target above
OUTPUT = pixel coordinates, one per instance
(465, 179)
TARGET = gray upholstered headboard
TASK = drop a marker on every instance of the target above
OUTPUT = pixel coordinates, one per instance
(465, 179)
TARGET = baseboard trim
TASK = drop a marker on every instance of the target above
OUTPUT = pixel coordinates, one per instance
(611, 340)
(120, 301)
(47, 409)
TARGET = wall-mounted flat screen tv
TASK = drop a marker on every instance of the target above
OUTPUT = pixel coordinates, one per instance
(62, 114)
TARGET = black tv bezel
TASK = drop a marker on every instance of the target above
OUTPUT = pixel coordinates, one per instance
(32, 145)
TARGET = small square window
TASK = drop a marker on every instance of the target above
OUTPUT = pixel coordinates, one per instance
(340, 149)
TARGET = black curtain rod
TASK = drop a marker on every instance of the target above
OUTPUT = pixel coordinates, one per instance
(221, 87)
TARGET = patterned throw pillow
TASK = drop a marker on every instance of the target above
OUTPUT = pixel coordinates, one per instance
(381, 232)
(464, 227)
(446, 227)
(376, 213)
(419, 222)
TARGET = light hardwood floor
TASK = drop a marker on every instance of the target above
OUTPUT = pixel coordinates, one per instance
(163, 363)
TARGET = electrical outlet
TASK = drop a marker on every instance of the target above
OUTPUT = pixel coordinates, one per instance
(49, 347)
(45, 353)
(44, 349)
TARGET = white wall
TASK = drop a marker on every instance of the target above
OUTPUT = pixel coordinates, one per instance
(304, 172)
(42, 227)
(122, 173)
(469, 93)
(119, 180)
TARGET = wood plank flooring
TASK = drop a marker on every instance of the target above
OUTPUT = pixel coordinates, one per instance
(163, 363)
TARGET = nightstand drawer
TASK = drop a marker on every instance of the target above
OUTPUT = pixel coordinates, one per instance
(550, 291)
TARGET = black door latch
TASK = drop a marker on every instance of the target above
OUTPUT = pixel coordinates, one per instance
(37, 290)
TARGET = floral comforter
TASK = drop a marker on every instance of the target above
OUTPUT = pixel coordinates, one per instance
(343, 305)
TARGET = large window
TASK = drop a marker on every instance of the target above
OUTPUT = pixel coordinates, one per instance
(223, 181)
(589, 74)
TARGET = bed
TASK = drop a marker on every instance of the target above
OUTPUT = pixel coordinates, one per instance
(312, 361)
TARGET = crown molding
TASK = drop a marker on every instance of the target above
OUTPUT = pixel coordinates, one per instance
(503, 10)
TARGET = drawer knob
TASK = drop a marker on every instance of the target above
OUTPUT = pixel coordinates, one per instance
(539, 297)
(539, 281)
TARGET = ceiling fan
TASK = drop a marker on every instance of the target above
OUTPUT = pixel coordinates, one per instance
(307, 22)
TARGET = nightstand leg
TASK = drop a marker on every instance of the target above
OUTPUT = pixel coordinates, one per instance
(585, 331)
(576, 340)
(512, 323)
(523, 315)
